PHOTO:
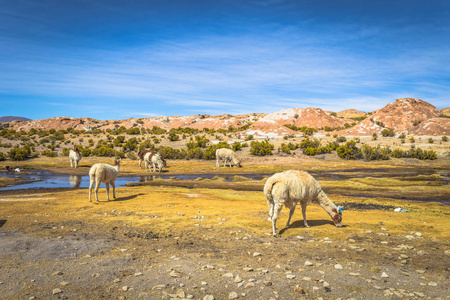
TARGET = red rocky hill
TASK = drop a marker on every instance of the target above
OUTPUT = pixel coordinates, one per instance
(408, 115)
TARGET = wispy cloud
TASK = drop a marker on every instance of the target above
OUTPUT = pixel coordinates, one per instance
(263, 69)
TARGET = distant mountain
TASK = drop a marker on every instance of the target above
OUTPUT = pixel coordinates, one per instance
(405, 115)
(11, 118)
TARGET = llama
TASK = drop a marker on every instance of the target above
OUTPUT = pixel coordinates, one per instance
(103, 173)
(142, 153)
(292, 187)
(227, 155)
(74, 156)
(153, 159)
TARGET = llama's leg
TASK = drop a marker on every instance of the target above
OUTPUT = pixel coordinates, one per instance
(90, 188)
(225, 163)
(71, 165)
(140, 161)
(76, 164)
(113, 184)
(304, 214)
(97, 186)
(217, 162)
(271, 207)
(107, 191)
(276, 212)
(291, 212)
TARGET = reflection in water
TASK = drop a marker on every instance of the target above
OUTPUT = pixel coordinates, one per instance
(149, 178)
(75, 180)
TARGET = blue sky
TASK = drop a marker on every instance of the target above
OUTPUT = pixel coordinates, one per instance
(112, 59)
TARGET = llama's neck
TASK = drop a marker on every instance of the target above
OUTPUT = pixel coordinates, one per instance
(327, 204)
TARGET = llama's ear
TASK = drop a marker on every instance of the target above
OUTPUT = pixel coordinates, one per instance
(340, 209)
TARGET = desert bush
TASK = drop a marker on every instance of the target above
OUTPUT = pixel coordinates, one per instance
(236, 146)
(387, 132)
(349, 151)
(173, 136)
(341, 139)
(2, 156)
(374, 136)
(104, 151)
(261, 148)
(308, 143)
(49, 153)
(17, 153)
(171, 153)
(414, 153)
(195, 153)
(444, 138)
(249, 137)
(130, 145)
(374, 153)
(430, 140)
(284, 148)
(118, 141)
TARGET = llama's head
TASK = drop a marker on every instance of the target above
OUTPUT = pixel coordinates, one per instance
(337, 217)
(117, 162)
(239, 164)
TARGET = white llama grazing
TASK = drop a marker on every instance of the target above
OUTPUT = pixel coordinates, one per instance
(292, 187)
(227, 155)
(74, 156)
(153, 159)
(104, 173)
(142, 153)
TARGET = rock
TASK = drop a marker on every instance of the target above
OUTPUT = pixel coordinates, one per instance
(238, 279)
(233, 295)
(290, 276)
(248, 269)
(316, 288)
(431, 283)
(125, 288)
(447, 252)
(57, 291)
(228, 275)
(138, 274)
(159, 287)
(325, 284)
(308, 263)
(57, 273)
(338, 267)
(300, 237)
(181, 294)
(384, 229)
(208, 297)
(299, 289)
(384, 275)
(64, 283)
(256, 254)
(354, 274)
(250, 284)
(410, 237)
(116, 280)
(175, 273)
(267, 283)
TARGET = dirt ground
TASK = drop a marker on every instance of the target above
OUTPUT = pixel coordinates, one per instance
(210, 239)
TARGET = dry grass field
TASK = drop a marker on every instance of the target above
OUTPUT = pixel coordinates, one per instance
(172, 238)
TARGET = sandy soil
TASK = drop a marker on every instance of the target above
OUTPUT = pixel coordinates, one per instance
(165, 241)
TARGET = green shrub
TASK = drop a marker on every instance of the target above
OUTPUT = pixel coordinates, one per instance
(171, 153)
(387, 132)
(49, 153)
(173, 136)
(261, 148)
(130, 145)
(308, 143)
(236, 146)
(17, 153)
(2, 156)
(349, 151)
(444, 138)
(430, 140)
(341, 139)
(285, 149)
(196, 153)
(374, 153)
